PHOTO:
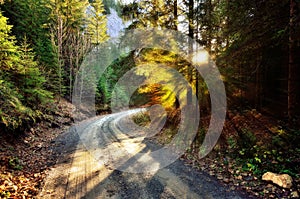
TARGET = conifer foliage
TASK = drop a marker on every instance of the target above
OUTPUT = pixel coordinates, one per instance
(97, 23)
(41, 52)
(22, 93)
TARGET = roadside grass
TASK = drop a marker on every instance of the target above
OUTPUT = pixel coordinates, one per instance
(142, 119)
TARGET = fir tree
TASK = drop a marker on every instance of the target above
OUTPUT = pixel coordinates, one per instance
(97, 23)
(22, 93)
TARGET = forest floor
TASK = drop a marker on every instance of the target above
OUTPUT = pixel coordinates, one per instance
(250, 145)
(27, 160)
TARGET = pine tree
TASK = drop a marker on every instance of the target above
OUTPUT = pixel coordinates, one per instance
(68, 22)
(22, 93)
(97, 24)
(30, 80)
(29, 18)
(8, 57)
(153, 13)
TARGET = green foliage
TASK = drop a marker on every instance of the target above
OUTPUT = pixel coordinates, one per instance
(76, 27)
(168, 134)
(151, 13)
(200, 137)
(260, 159)
(14, 163)
(277, 141)
(111, 76)
(142, 119)
(247, 139)
(253, 166)
(232, 143)
(96, 27)
(22, 95)
(31, 80)
(108, 4)
(293, 136)
(55, 76)
(7, 44)
(29, 19)
(165, 95)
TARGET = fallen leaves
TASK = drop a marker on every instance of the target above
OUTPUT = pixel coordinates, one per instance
(226, 163)
(17, 185)
(25, 159)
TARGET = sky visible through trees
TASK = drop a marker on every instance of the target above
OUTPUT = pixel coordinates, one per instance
(254, 44)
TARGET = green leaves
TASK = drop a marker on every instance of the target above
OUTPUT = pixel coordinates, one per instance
(14, 163)
(21, 82)
(97, 22)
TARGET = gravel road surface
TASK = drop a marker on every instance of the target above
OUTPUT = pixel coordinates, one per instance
(100, 158)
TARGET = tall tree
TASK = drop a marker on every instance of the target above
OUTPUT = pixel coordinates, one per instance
(97, 23)
(294, 60)
(23, 96)
(175, 10)
(153, 13)
(30, 18)
(68, 23)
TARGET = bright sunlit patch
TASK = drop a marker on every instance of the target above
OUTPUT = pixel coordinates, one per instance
(223, 78)
(75, 170)
(126, 2)
(200, 57)
(133, 146)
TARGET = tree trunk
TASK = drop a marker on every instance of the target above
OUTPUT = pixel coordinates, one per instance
(209, 19)
(175, 15)
(293, 62)
(59, 54)
(191, 50)
(191, 18)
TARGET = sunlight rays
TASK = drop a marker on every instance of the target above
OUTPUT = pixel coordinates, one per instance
(200, 57)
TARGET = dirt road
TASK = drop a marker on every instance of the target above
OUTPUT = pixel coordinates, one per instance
(96, 161)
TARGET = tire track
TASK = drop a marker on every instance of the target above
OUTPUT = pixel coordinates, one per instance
(91, 173)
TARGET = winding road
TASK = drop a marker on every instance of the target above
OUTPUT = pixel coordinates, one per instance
(108, 157)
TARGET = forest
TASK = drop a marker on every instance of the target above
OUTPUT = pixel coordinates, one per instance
(254, 44)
